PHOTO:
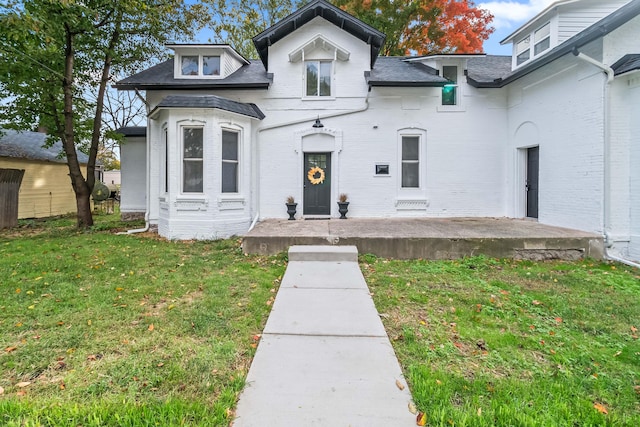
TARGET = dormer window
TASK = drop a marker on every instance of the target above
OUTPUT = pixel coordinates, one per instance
(200, 65)
(522, 50)
(542, 39)
(533, 44)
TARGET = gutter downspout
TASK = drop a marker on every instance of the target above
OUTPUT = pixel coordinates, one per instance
(291, 123)
(606, 193)
(147, 161)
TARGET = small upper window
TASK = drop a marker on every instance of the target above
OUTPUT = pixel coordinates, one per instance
(449, 90)
(196, 65)
(410, 161)
(318, 78)
(189, 66)
(542, 39)
(522, 50)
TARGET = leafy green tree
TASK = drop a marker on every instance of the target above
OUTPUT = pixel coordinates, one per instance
(235, 22)
(54, 54)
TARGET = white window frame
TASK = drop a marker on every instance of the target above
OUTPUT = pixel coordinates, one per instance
(536, 42)
(200, 74)
(238, 162)
(304, 80)
(182, 128)
(164, 162)
(533, 42)
(422, 136)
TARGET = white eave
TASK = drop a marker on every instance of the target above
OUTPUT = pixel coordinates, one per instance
(316, 42)
(204, 47)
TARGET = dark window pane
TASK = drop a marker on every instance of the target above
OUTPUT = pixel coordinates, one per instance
(523, 57)
(229, 177)
(192, 143)
(211, 65)
(410, 148)
(192, 177)
(542, 46)
(189, 65)
(410, 175)
(312, 79)
(450, 72)
(229, 145)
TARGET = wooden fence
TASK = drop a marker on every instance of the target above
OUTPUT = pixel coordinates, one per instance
(10, 180)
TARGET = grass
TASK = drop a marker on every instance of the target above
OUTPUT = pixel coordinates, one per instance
(102, 329)
(486, 342)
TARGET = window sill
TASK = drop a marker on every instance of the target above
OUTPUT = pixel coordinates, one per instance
(318, 98)
(230, 201)
(450, 108)
(191, 203)
(412, 204)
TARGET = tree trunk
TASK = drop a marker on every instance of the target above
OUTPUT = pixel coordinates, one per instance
(78, 182)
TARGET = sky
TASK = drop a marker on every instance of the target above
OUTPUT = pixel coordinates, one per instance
(508, 16)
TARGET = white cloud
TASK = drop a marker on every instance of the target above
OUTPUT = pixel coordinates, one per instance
(508, 14)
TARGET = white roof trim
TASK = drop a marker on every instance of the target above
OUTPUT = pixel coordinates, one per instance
(319, 41)
(205, 47)
(546, 13)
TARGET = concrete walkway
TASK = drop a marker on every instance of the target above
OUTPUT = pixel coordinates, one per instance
(324, 358)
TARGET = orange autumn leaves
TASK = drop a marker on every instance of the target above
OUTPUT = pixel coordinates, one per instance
(421, 27)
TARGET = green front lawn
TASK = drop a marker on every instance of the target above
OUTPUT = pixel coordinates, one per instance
(101, 329)
(484, 342)
(126, 330)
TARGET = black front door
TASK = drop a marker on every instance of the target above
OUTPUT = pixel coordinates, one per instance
(317, 184)
(533, 163)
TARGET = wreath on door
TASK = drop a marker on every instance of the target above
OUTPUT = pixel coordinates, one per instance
(311, 175)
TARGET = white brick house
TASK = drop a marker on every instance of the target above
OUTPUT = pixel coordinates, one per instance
(551, 132)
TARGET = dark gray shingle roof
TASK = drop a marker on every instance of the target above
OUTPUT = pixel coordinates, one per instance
(626, 64)
(132, 131)
(395, 71)
(488, 68)
(329, 12)
(29, 145)
(251, 76)
(211, 101)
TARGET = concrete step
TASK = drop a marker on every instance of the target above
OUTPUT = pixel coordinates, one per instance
(323, 253)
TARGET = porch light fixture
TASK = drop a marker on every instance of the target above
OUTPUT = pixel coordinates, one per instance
(318, 124)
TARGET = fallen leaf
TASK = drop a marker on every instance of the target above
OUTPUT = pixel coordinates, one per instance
(421, 419)
(23, 384)
(479, 412)
(536, 302)
(10, 349)
(62, 386)
(412, 407)
(21, 393)
(600, 408)
(1, 390)
(151, 328)
(634, 329)
(438, 382)
(399, 385)
(558, 319)
(618, 353)
(160, 365)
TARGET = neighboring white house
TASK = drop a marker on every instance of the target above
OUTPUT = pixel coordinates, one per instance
(551, 132)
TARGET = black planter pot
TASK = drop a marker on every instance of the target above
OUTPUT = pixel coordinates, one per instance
(291, 210)
(343, 208)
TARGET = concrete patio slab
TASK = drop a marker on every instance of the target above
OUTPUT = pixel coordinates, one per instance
(331, 312)
(429, 238)
(324, 381)
(326, 275)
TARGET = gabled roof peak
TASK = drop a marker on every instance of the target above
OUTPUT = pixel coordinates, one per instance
(330, 13)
